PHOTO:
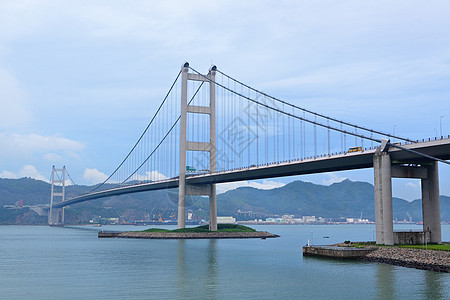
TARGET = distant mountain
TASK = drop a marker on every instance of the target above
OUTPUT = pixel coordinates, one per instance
(30, 190)
(343, 199)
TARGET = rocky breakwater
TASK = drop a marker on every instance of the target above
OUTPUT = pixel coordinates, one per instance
(187, 235)
(438, 261)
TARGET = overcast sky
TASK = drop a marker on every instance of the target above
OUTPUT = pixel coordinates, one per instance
(79, 80)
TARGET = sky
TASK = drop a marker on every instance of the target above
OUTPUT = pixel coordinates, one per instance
(80, 80)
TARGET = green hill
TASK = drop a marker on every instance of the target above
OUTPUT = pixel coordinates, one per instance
(343, 199)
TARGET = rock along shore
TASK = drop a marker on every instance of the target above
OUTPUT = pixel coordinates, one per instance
(187, 235)
(438, 261)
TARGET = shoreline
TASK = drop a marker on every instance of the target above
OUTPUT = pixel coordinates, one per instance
(432, 260)
(187, 235)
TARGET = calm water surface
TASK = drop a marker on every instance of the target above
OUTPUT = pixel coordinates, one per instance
(40, 262)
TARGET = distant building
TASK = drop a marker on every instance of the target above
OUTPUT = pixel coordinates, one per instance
(274, 220)
(309, 219)
(8, 206)
(357, 220)
(226, 220)
(109, 221)
(338, 220)
(288, 219)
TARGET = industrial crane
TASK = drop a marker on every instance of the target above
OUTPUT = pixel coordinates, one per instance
(161, 214)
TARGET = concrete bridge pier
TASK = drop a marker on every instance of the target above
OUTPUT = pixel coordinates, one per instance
(56, 217)
(210, 191)
(431, 210)
(383, 198)
(384, 171)
(213, 209)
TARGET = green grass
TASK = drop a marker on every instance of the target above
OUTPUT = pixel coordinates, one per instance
(192, 229)
(442, 247)
(436, 247)
(358, 244)
(363, 245)
(205, 228)
(156, 230)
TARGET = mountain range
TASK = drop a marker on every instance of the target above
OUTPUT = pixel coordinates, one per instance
(344, 199)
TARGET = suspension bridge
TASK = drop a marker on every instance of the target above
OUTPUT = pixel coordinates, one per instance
(212, 128)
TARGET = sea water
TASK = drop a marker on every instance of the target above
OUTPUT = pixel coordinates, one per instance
(40, 262)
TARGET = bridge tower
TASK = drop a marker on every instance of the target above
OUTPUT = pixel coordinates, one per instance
(185, 145)
(384, 171)
(58, 191)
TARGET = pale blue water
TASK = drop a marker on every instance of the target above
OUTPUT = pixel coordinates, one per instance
(40, 262)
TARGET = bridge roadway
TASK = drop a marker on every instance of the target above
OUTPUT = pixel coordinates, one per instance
(337, 162)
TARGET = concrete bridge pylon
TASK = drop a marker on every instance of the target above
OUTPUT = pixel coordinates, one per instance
(58, 192)
(384, 171)
(185, 145)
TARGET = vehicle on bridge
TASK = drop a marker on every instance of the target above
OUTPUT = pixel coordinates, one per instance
(354, 149)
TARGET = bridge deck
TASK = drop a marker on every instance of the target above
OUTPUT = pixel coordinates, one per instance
(333, 163)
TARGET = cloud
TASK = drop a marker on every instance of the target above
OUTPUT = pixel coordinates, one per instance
(156, 175)
(16, 145)
(36, 152)
(8, 174)
(149, 175)
(13, 112)
(143, 21)
(53, 157)
(26, 171)
(412, 185)
(29, 171)
(332, 178)
(94, 176)
(263, 185)
(20, 20)
(406, 188)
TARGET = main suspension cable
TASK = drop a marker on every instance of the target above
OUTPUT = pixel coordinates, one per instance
(165, 136)
(314, 113)
(70, 177)
(286, 113)
(142, 135)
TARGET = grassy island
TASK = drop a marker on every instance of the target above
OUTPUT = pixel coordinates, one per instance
(205, 228)
(224, 231)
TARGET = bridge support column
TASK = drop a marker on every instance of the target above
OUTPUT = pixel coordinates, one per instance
(384, 171)
(185, 145)
(213, 209)
(383, 198)
(431, 211)
(210, 191)
(181, 221)
(56, 217)
(58, 190)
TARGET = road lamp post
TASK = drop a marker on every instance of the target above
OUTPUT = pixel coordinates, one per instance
(440, 124)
